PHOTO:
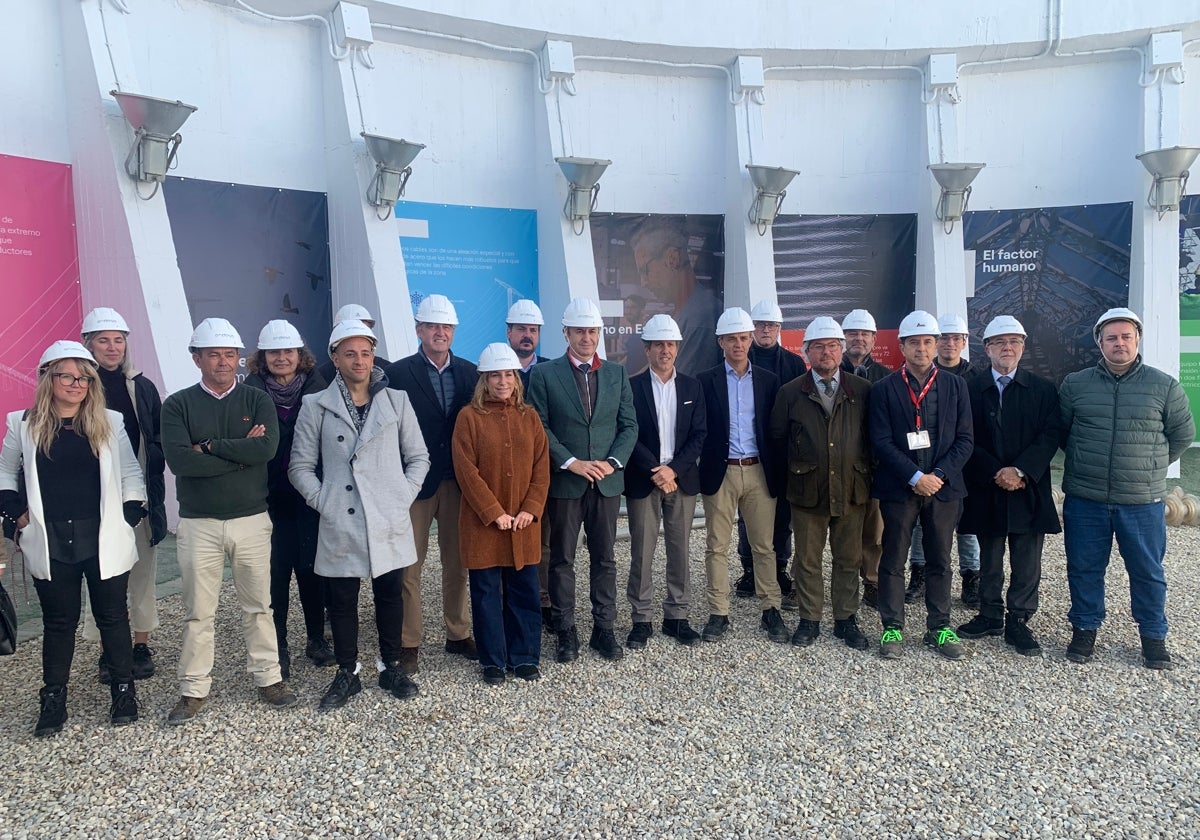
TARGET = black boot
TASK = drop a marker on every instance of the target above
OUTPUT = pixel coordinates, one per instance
(124, 708)
(970, 589)
(53, 702)
(1154, 654)
(916, 585)
(1082, 647)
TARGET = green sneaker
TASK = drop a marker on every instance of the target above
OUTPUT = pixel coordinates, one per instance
(946, 642)
(891, 644)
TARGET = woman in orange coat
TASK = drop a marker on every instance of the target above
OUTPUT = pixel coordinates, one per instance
(502, 462)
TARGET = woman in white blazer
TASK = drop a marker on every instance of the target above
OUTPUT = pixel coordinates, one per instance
(70, 483)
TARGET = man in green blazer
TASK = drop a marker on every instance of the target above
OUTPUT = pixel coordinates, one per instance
(586, 406)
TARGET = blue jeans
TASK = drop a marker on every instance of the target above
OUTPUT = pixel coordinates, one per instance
(1141, 532)
(968, 551)
(506, 611)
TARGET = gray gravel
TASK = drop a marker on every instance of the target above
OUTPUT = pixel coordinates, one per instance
(738, 739)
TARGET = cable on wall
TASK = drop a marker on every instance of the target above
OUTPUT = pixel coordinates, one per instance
(333, 48)
(537, 59)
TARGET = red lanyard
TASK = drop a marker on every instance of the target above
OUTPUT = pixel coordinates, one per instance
(916, 398)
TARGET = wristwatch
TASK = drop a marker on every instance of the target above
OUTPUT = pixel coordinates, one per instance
(204, 444)
(616, 465)
(1020, 472)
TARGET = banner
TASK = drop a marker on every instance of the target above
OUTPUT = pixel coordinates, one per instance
(482, 258)
(39, 271)
(1189, 300)
(828, 265)
(650, 264)
(252, 255)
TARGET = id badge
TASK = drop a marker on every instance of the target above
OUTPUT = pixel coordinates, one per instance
(918, 440)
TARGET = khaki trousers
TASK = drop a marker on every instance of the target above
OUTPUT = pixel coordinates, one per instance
(845, 544)
(143, 605)
(203, 545)
(745, 488)
(443, 506)
(872, 543)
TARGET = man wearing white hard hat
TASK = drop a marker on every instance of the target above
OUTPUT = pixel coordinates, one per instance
(661, 483)
(351, 312)
(438, 384)
(1009, 498)
(737, 471)
(921, 436)
(218, 437)
(586, 407)
(820, 422)
(1124, 422)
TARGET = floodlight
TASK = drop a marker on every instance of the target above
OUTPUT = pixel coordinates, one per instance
(392, 158)
(583, 174)
(1170, 170)
(156, 124)
(770, 185)
(955, 180)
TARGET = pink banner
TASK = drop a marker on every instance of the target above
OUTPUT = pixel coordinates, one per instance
(39, 270)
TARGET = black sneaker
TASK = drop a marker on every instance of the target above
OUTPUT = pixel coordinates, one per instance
(493, 675)
(143, 661)
(528, 672)
(945, 642)
(681, 631)
(847, 630)
(891, 643)
(103, 672)
(772, 624)
(344, 686)
(981, 626)
(568, 645)
(916, 585)
(320, 652)
(1082, 647)
(1017, 635)
(970, 589)
(124, 708)
(1154, 654)
(745, 586)
(393, 679)
(52, 702)
(806, 632)
(716, 627)
(639, 635)
(870, 596)
(463, 647)
(604, 642)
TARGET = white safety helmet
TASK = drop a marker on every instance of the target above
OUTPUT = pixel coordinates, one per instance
(437, 309)
(279, 335)
(102, 318)
(215, 332)
(1003, 325)
(661, 328)
(767, 310)
(353, 312)
(353, 328)
(734, 320)
(859, 319)
(918, 323)
(1119, 313)
(524, 311)
(823, 327)
(498, 356)
(64, 349)
(581, 312)
(953, 324)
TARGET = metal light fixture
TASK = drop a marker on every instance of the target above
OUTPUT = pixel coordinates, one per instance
(583, 174)
(770, 184)
(1170, 170)
(392, 170)
(955, 180)
(156, 124)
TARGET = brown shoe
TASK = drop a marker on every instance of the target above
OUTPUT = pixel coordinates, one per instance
(408, 661)
(277, 695)
(186, 709)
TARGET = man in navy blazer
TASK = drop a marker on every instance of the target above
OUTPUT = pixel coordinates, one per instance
(662, 481)
(922, 436)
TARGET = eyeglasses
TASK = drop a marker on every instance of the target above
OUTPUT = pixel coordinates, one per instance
(1006, 342)
(69, 379)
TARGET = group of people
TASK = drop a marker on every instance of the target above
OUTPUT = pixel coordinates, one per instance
(336, 473)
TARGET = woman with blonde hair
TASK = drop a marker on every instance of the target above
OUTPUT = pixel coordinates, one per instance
(84, 493)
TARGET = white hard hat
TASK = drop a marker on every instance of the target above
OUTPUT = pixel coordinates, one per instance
(498, 356)
(102, 318)
(437, 309)
(1119, 313)
(823, 327)
(918, 323)
(661, 328)
(734, 320)
(216, 332)
(767, 310)
(524, 311)
(1003, 325)
(859, 319)
(352, 328)
(581, 312)
(279, 335)
(64, 349)
(353, 312)
(953, 324)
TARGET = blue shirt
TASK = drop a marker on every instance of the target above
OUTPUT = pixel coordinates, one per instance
(742, 443)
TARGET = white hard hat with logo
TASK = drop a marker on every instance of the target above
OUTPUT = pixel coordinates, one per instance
(436, 309)
(216, 332)
(350, 329)
(767, 310)
(101, 319)
(1119, 313)
(734, 320)
(353, 312)
(821, 327)
(918, 323)
(953, 324)
(581, 312)
(279, 335)
(64, 349)
(498, 356)
(1003, 325)
(859, 319)
(661, 328)
(524, 311)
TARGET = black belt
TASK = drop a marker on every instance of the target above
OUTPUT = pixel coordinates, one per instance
(741, 462)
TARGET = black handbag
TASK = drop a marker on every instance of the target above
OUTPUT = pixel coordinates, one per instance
(8, 624)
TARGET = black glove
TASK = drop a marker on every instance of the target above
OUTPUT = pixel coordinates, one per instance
(135, 512)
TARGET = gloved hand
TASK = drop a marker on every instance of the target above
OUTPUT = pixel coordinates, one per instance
(134, 512)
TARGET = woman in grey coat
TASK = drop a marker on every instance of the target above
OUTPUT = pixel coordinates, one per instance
(358, 459)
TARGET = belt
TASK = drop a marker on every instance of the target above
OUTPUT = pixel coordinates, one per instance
(741, 462)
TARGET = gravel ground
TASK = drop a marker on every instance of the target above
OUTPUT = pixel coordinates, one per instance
(741, 738)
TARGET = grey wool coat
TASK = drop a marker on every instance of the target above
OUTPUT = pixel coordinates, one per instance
(362, 485)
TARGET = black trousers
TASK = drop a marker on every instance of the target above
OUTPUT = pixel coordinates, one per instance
(597, 515)
(938, 520)
(1025, 559)
(782, 537)
(61, 597)
(343, 616)
(293, 551)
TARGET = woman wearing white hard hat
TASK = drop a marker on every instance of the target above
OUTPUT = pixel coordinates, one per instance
(106, 335)
(84, 494)
(502, 463)
(284, 367)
